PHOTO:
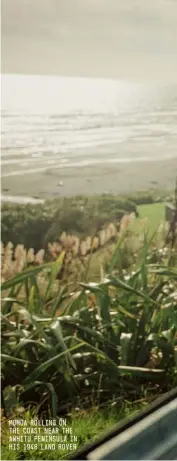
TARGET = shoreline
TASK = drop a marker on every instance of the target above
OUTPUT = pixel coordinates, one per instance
(91, 180)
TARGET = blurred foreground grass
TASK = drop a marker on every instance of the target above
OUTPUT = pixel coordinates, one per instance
(87, 426)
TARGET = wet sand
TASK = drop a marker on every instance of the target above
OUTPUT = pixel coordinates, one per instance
(90, 180)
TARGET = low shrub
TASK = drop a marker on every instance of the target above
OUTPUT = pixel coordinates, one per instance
(37, 225)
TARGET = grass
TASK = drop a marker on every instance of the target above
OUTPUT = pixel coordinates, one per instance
(86, 426)
(103, 347)
(155, 214)
(111, 328)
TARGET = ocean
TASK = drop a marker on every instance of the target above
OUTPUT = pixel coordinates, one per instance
(50, 122)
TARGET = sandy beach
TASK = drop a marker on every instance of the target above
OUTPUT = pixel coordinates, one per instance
(116, 179)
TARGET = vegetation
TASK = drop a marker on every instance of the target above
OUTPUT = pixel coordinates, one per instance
(109, 344)
(86, 425)
(80, 251)
(154, 213)
(35, 226)
(126, 314)
(14, 260)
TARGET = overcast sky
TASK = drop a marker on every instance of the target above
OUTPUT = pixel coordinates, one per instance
(98, 38)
